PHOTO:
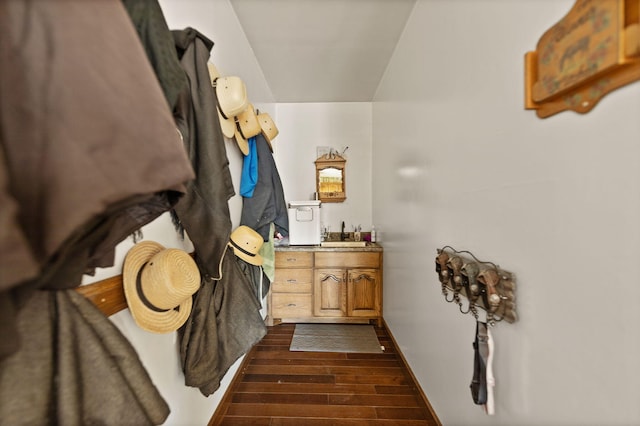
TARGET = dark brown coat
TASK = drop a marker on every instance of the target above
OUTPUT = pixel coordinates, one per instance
(91, 152)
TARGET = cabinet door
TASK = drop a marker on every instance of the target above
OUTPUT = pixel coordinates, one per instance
(329, 293)
(363, 293)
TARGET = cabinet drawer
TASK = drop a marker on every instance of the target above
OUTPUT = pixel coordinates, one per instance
(292, 280)
(347, 259)
(294, 259)
(289, 305)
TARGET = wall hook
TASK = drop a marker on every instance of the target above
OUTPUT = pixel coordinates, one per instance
(484, 284)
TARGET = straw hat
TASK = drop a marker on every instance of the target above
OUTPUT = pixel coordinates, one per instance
(269, 129)
(247, 126)
(248, 123)
(158, 285)
(231, 94)
(246, 244)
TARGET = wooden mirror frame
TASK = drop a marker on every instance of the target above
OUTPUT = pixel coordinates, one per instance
(331, 161)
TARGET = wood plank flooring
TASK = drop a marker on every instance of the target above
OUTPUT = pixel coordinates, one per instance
(276, 387)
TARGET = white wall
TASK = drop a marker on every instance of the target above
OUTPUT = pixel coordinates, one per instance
(305, 126)
(159, 352)
(459, 162)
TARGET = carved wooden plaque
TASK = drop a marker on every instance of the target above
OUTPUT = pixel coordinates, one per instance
(590, 52)
(582, 45)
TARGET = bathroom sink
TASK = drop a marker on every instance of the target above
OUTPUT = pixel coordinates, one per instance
(343, 244)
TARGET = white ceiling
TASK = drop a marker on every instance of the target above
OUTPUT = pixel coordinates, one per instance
(323, 50)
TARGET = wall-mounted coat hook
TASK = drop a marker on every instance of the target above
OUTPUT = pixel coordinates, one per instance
(484, 284)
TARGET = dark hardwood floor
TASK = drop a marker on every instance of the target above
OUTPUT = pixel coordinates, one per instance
(274, 386)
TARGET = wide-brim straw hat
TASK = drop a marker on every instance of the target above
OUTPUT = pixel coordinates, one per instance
(247, 122)
(232, 101)
(269, 129)
(158, 285)
(247, 126)
(246, 244)
(231, 95)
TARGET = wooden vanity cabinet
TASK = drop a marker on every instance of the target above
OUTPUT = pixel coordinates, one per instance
(338, 286)
(359, 292)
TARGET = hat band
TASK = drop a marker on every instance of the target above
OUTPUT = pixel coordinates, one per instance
(214, 84)
(240, 130)
(221, 111)
(141, 295)
(233, 243)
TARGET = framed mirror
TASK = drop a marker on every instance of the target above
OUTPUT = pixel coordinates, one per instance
(330, 178)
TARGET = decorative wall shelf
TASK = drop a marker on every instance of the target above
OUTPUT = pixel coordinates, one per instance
(592, 51)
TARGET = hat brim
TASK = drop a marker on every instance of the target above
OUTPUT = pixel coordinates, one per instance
(256, 259)
(243, 144)
(248, 122)
(146, 318)
(228, 125)
(268, 127)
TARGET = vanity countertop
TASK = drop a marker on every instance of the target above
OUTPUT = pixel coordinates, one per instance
(371, 247)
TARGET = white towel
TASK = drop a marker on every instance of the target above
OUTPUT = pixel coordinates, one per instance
(491, 382)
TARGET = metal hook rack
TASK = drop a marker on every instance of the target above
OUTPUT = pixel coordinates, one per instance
(484, 284)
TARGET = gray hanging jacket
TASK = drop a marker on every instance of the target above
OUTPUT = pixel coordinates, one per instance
(204, 210)
(225, 322)
(75, 369)
(267, 205)
(149, 22)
